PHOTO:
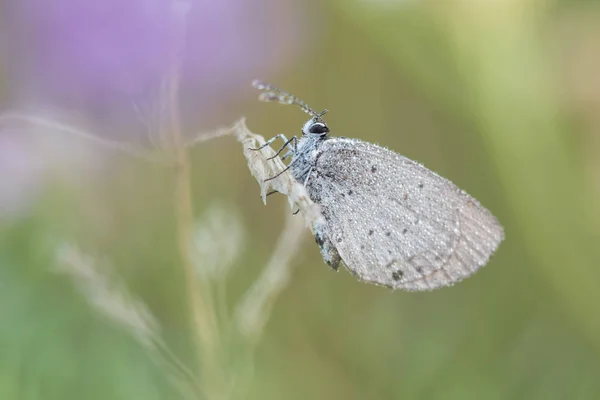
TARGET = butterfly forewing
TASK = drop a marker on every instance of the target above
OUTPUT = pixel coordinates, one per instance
(396, 223)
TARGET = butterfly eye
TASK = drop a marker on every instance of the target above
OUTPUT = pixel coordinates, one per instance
(318, 128)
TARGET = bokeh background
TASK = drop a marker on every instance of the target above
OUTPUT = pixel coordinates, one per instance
(502, 97)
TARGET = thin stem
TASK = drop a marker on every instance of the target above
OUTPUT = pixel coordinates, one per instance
(255, 309)
(206, 136)
(130, 149)
(202, 310)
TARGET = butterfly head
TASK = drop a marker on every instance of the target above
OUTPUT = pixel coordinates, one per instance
(316, 125)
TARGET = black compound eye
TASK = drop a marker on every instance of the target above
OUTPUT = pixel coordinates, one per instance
(318, 127)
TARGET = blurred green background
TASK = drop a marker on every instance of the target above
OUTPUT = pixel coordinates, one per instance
(501, 97)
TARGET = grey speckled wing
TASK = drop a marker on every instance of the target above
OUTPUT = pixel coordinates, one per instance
(392, 221)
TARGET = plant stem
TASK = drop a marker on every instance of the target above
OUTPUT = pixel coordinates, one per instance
(198, 292)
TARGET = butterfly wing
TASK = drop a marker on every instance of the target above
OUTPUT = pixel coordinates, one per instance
(394, 222)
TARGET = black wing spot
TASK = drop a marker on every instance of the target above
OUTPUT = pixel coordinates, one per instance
(404, 231)
(339, 240)
(319, 240)
(419, 269)
(397, 275)
(373, 169)
(350, 192)
(421, 186)
(362, 246)
(371, 231)
(388, 234)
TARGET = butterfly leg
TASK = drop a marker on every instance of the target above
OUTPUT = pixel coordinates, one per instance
(268, 142)
(286, 155)
(285, 145)
(308, 176)
(281, 172)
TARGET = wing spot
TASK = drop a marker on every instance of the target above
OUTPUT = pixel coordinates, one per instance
(373, 169)
(350, 192)
(419, 269)
(319, 240)
(421, 185)
(388, 234)
(339, 240)
(362, 246)
(404, 231)
(397, 275)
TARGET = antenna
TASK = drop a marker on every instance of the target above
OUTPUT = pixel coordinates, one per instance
(273, 93)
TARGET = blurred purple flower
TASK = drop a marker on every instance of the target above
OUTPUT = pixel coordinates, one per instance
(102, 56)
(105, 59)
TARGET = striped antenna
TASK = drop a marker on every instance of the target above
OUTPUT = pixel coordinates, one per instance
(273, 93)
